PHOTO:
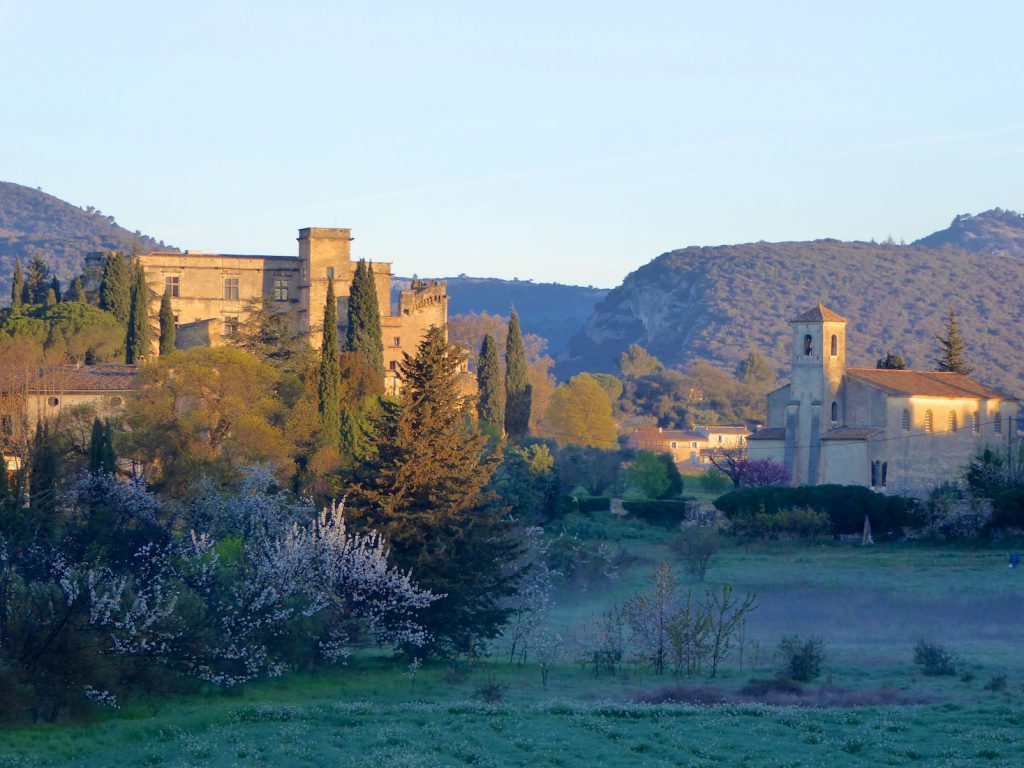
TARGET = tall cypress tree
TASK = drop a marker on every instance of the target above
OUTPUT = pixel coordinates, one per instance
(55, 287)
(137, 341)
(38, 281)
(329, 388)
(115, 287)
(167, 329)
(490, 405)
(951, 346)
(76, 291)
(518, 392)
(96, 446)
(364, 334)
(17, 287)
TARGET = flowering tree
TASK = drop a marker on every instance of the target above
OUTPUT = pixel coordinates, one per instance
(744, 471)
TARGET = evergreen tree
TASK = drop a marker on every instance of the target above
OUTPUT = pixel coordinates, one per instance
(425, 493)
(51, 297)
(115, 287)
(43, 478)
(96, 446)
(55, 287)
(518, 392)
(17, 287)
(38, 282)
(76, 291)
(137, 341)
(364, 333)
(329, 388)
(167, 329)
(490, 406)
(893, 361)
(951, 355)
(108, 459)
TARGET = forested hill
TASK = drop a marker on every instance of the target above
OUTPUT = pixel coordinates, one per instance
(31, 221)
(720, 302)
(550, 310)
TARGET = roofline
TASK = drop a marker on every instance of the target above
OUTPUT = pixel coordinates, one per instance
(966, 396)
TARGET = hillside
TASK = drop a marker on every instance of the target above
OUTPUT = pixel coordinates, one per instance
(31, 220)
(719, 303)
(551, 310)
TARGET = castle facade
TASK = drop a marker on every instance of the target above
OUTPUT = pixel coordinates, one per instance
(895, 431)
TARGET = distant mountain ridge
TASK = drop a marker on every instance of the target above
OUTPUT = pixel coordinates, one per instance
(33, 221)
(720, 302)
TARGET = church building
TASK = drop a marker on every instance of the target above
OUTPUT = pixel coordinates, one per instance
(895, 431)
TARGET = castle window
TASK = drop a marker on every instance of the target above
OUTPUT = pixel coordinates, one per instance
(835, 346)
(885, 472)
(280, 290)
(905, 420)
(398, 341)
(173, 284)
(997, 424)
(393, 365)
(53, 402)
(975, 423)
(230, 326)
(808, 345)
(928, 425)
(330, 273)
(951, 421)
(876, 474)
(231, 288)
(835, 409)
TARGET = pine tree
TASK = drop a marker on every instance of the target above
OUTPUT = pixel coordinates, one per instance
(518, 392)
(17, 287)
(364, 334)
(490, 406)
(115, 287)
(893, 361)
(55, 287)
(38, 282)
(426, 494)
(76, 291)
(329, 388)
(44, 478)
(167, 329)
(137, 341)
(951, 356)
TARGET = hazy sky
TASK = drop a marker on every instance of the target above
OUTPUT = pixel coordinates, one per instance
(553, 141)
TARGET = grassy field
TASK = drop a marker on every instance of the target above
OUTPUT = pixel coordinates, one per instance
(871, 707)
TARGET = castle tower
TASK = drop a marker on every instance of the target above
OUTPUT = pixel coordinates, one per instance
(819, 362)
(324, 253)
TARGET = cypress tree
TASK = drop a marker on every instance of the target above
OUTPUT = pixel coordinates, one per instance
(55, 287)
(17, 287)
(44, 477)
(38, 281)
(951, 355)
(96, 446)
(167, 329)
(490, 405)
(108, 459)
(329, 388)
(115, 287)
(51, 297)
(137, 344)
(76, 291)
(364, 334)
(518, 392)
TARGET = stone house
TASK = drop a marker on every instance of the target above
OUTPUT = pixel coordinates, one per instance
(896, 431)
(687, 446)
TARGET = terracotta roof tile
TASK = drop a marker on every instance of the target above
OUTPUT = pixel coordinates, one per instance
(926, 383)
(70, 378)
(819, 314)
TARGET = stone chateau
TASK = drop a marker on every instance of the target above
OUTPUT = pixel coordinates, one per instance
(893, 431)
(209, 292)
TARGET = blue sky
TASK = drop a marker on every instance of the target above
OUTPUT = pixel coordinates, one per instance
(553, 141)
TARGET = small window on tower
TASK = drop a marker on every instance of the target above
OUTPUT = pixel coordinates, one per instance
(808, 345)
(835, 345)
(905, 420)
(835, 412)
(997, 424)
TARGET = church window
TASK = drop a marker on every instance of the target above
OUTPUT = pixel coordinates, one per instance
(885, 471)
(230, 326)
(835, 345)
(173, 284)
(928, 424)
(975, 423)
(876, 474)
(997, 424)
(231, 288)
(53, 402)
(808, 345)
(951, 422)
(905, 420)
(835, 412)
(280, 289)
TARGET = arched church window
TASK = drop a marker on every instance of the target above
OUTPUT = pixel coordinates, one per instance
(835, 411)
(975, 423)
(808, 345)
(928, 425)
(905, 421)
(835, 345)
(951, 421)
(997, 424)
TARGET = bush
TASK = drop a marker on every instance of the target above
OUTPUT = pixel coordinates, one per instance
(934, 660)
(801, 660)
(800, 522)
(714, 481)
(591, 503)
(666, 512)
(696, 546)
(1008, 509)
(845, 505)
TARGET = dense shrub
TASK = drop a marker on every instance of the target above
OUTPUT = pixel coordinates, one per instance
(667, 512)
(845, 505)
(800, 660)
(1008, 509)
(696, 546)
(799, 522)
(933, 659)
(587, 504)
(714, 481)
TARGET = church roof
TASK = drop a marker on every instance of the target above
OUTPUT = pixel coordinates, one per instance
(926, 383)
(852, 433)
(819, 314)
(769, 433)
